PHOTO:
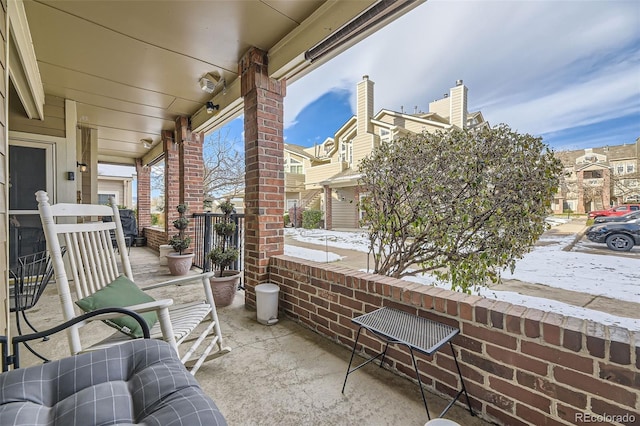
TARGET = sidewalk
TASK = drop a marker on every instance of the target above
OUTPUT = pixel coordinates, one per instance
(358, 260)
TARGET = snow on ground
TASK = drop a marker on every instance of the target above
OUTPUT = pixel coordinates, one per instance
(346, 240)
(309, 254)
(547, 264)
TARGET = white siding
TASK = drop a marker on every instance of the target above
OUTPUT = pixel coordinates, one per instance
(344, 208)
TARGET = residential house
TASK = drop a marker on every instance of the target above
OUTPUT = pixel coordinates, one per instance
(118, 187)
(334, 167)
(597, 178)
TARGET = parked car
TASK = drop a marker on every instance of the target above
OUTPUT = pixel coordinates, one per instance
(618, 236)
(624, 218)
(615, 211)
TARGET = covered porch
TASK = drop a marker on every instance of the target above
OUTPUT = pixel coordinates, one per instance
(122, 85)
(284, 373)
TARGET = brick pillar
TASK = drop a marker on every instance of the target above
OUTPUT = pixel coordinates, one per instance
(606, 189)
(580, 176)
(264, 168)
(144, 195)
(171, 181)
(328, 223)
(191, 170)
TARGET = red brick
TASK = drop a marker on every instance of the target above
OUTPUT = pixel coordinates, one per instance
(468, 343)
(514, 321)
(429, 295)
(569, 414)
(486, 365)
(595, 346)
(620, 375)
(489, 335)
(356, 305)
(533, 399)
(466, 307)
(552, 328)
(556, 356)
(536, 417)
(595, 386)
(452, 303)
(482, 310)
(515, 359)
(553, 390)
(494, 398)
(447, 363)
(433, 372)
(532, 322)
(504, 418)
(614, 413)
(331, 316)
(620, 353)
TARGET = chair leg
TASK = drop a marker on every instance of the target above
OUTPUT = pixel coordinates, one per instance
(19, 328)
(24, 315)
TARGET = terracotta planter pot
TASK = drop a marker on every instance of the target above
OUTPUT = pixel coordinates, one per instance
(224, 288)
(179, 264)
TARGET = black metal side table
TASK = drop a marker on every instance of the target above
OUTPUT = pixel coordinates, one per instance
(416, 333)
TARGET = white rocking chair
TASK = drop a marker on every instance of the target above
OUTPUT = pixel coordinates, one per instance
(93, 265)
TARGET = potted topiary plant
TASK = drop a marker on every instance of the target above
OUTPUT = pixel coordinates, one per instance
(180, 262)
(224, 283)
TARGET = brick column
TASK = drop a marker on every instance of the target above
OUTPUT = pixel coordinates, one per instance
(328, 205)
(191, 171)
(143, 195)
(264, 168)
(580, 179)
(606, 189)
(171, 181)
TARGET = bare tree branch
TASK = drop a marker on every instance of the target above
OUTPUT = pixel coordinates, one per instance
(223, 165)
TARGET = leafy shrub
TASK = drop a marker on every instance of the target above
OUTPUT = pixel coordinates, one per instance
(311, 219)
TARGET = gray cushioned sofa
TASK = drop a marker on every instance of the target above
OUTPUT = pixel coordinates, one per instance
(138, 382)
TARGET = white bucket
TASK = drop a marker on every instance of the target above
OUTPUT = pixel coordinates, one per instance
(164, 250)
(441, 422)
(267, 303)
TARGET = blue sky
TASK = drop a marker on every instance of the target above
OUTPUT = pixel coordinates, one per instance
(565, 70)
(568, 71)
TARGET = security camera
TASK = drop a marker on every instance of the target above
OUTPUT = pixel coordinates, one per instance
(212, 107)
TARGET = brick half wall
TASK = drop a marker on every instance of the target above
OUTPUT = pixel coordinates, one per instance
(521, 366)
(155, 237)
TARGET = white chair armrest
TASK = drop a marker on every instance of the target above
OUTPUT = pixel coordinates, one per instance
(180, 281)
(139, 308)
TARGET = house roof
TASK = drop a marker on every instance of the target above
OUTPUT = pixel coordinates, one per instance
(612, 153)
(299, 150)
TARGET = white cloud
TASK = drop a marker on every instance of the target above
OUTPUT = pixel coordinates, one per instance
(540, 66)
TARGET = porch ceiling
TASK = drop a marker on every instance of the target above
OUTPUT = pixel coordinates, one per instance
(134, 66)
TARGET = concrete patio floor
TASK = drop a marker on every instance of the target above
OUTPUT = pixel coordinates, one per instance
(282, 374)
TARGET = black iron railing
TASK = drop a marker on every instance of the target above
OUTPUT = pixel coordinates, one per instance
(206, 238)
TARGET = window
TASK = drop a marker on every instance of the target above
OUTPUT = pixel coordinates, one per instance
(593, 174)
(620, 169)
(158, 214)
(346, 152)
(291, 165)
(103, 198)
(630, 168)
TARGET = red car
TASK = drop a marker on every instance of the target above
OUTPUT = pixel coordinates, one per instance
(615, 211)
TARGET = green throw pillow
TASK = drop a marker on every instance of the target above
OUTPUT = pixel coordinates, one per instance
(120, 293)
